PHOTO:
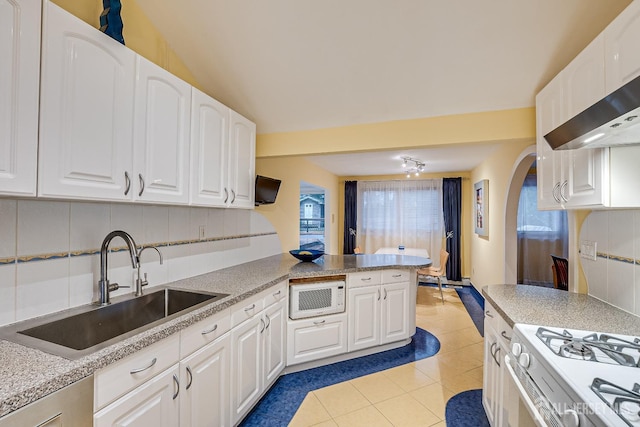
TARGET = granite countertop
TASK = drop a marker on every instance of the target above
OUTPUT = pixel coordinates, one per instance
(28, 374)
(551, 307)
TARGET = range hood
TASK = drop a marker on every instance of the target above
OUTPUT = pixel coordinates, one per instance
(611, 121)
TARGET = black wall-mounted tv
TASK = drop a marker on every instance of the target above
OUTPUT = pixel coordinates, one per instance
(266, 190)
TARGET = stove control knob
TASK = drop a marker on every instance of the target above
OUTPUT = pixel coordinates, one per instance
(516, 349)
(524, 360)
(570, 418)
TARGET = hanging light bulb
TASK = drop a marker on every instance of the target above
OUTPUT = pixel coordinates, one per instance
(404, 163)
(408, 175)
(417, 173)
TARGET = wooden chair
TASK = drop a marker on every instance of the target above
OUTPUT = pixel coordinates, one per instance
(437, 272)
(560, 270)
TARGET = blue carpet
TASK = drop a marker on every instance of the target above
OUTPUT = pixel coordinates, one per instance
(281, 402)
(465, 410)
(474, 303)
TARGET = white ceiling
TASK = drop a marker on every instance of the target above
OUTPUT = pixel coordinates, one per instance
(295, 65)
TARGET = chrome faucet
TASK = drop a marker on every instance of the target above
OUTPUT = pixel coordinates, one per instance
(104, 286)
(139, 282)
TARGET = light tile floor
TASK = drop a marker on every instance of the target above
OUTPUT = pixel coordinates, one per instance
(414, 394)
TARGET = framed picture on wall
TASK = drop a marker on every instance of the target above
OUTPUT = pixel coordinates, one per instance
(481, 210)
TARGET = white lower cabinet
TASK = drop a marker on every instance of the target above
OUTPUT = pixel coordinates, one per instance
(204, 378)
(316, 338)
(378, 315)
(499, 401)
(155, 403)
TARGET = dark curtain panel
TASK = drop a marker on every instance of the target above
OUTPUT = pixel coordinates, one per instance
(452, 206)
(350, 215)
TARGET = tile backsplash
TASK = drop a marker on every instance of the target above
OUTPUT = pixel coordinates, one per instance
(614, 275)
(49, 250)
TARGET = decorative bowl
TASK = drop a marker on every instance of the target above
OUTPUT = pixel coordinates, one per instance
(306, 255)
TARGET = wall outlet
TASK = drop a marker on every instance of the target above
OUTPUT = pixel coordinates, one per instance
(201, 233)
(588, 250)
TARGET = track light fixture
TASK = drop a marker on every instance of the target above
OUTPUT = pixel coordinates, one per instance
(412, 166)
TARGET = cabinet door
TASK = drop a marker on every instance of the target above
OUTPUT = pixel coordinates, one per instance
(549, 115)
(316, 338)
(242, 158)
(622, 56)
(274, 336)
(490, 380)
(161, 134)
(364, 317)
(588, 177)
(584, 83)
(86, 111)
(246, 367)
(394, 312)
(20, 71)
(155, 403)
(204, 400)
(209, 145)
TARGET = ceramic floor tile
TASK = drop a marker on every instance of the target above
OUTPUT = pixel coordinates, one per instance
(408, 377)
(329, 423)
(341, 398)
(365, 417)
(311, 412)
(434, 397)
(466, 381)
(406, 411)
(377, 387)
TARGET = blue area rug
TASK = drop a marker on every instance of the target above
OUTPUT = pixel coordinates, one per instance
(465, 410)
(281, 402)
(474, 303)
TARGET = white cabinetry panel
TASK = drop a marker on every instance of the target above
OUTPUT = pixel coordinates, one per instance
(161, 134)
(622, 56)
(242, 157)
(86, 116)
(20, 71)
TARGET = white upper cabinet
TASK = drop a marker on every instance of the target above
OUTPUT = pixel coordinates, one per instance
(549, 107)
(20, 71)
(242, 157)
(86, 111)
(583, 79)
(622, 56)
(161, 135)
(209, 150)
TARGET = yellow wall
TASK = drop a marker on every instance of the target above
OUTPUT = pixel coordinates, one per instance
(139, 34)
(465, 247)
(284, 214)
(488, 253)
(505, 125)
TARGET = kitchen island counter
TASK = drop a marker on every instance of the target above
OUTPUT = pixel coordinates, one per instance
(552, 307)
(27, 374)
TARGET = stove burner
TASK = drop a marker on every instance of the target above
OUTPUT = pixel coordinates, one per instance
(594, 347)
(625, 403)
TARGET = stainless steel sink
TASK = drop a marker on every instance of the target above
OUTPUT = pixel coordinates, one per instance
(74, 334)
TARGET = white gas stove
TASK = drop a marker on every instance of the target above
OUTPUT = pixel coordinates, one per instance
(576, 378)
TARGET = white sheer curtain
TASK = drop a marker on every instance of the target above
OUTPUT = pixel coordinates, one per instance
(393, 213)
(540, 235)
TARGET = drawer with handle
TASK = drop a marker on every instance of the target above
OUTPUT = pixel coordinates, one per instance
(364, 278)
(124, 375)
(203, 332)
(395, 276)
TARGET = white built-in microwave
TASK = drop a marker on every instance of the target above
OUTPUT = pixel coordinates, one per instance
(316, 298)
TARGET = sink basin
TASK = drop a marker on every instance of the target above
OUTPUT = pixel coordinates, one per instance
(99, 325)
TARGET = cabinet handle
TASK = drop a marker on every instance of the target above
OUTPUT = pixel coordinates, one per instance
(264, 325)
(491, 350)
(555, 192)
(378, 294)
(233, 199)
(138, 370)
(385, 294)
(504, 335)
(208, 331)
(127, 184)
(488, 314)
(319, 322)
(250, 308)
(496, 356)
(176, 383)
(365, 279)
(269, 319)
(141, 184)
(277, 293)
(226, 195)
(397, 275)
(564, 185)
(190, 378)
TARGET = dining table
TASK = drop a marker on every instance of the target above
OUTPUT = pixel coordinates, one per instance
(421, 252)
